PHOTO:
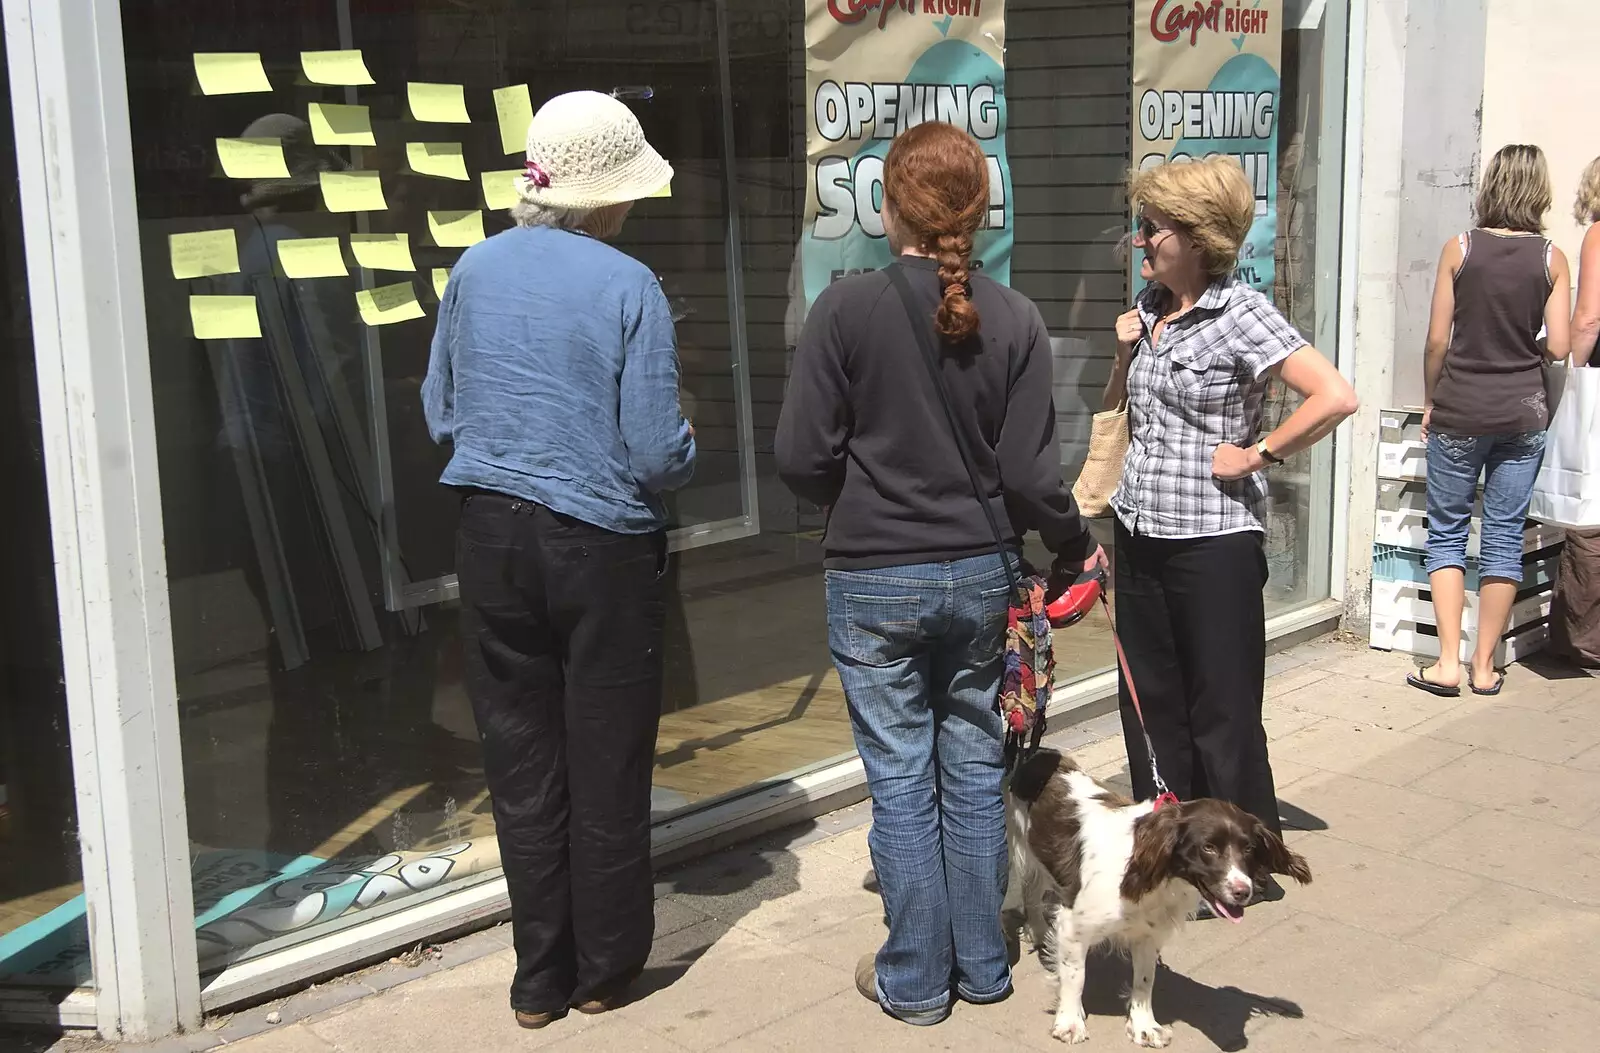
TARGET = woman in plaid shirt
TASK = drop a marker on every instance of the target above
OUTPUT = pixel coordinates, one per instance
(1194, 358)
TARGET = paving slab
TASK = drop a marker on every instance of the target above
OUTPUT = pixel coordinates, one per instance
(1554, 738)
(1347, 978)
(1373, 813)
(1381, 892)
(1365, 750)
(1395, 706)
(1511, 1013)
(1548, 939)
(741, 984)
(1533, 789)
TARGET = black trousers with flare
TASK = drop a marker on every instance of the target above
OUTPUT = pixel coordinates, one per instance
(562, 624)
(1193, 622)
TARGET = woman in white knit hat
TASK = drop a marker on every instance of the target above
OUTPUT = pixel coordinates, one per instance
(554, 374)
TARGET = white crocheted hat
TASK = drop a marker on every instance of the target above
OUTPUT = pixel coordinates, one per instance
(586, 150)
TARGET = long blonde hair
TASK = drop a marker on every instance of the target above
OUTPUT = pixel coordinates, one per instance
(1587, 208)
(1515, 192)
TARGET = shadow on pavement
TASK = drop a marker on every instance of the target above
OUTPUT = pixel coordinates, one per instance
(1218, 1013)
(1295, 818)
(698, 902)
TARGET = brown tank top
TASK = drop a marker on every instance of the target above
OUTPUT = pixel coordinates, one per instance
(1493, 383)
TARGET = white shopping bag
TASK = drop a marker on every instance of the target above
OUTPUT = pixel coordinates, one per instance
(1567, 492)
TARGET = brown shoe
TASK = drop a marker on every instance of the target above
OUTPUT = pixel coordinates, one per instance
(596, 1006)
(534, 1021)
(614, 998)
(867, 977)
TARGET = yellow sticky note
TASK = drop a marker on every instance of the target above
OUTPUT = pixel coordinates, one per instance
(388, 304)
(203, 253)
(501, 190)
(230, 72)
(437, 159)
(383, 252)
(352, 192)
(665, 191)
(514, 111)
(311, 258)
(252, 158)
(335, 67)
(456, 230)
(335, 125)
(441, 279)
(438, 103)
(224, 317)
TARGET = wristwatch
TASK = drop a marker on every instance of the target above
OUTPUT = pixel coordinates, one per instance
(1266, 454)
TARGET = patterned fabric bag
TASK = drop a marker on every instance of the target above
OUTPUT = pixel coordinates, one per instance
(1030, 668)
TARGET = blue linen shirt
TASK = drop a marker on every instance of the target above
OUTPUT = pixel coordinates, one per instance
(554, 374)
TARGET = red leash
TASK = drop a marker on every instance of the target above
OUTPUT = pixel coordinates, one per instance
(1163, 795)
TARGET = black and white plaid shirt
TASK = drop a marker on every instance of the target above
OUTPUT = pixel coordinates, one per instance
(1203, 386)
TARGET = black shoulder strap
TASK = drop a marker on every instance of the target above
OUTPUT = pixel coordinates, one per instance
(930, 358)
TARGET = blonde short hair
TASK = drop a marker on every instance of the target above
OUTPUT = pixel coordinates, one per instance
(1211, 200)
(1515, 192)
(1587, 208)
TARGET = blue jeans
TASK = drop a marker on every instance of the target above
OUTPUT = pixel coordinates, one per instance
(1509, 464)
(919, 651)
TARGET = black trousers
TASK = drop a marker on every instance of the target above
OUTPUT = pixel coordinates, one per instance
(1193, 623)
(562, 626)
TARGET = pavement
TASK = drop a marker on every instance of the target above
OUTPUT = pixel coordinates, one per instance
(1456, 906)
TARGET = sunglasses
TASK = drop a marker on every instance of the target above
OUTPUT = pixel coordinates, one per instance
(1148, 229)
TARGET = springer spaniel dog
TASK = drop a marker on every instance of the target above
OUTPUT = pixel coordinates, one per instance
(1126, 874)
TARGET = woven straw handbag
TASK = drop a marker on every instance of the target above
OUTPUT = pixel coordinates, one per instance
(1102, 469)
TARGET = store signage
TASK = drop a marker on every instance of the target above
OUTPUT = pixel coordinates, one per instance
(875, 68)
(1206, 81)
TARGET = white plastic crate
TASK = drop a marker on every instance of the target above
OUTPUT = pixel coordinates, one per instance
(1400, 423)
(1406, 460)
(1423, 642)
(1402, 452)
(1401, 608)
(1392, 563)
(1395, 595)
(1408, 528)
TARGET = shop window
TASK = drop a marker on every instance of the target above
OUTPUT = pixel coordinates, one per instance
(43, 941)
(331, 765)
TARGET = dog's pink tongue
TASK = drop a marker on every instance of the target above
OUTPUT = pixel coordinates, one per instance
(1223, 911)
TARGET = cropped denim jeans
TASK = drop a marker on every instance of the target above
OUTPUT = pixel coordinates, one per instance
(919, 651)
(1509, 464)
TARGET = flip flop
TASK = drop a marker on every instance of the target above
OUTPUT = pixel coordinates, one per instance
(1422, 683)
(1499, 682)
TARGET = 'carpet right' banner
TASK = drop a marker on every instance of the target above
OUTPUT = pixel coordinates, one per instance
(1206, 81)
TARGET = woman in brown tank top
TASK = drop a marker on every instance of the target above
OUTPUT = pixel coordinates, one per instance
(1501, 286)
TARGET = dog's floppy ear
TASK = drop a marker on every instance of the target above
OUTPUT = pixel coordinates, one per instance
(1035, 773)
(1276, 854)
(1155, 839)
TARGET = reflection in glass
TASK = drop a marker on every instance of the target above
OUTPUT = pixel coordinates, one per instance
(331, 763)
(1069, 156)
